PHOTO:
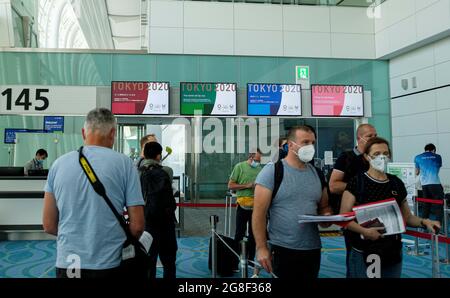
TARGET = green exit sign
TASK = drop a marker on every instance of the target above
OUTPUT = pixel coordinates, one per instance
(303, 72)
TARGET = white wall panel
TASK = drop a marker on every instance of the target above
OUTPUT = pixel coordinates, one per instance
(166, 40)
(443, 74)
(443, 148)
(416, 124)
(403, 34)
(443, 98)
(413, 61)
(407, 147)
(425, 79)
(442, 50)
(264, 43)
(352, 45)
(413, 104)
(258, 17)
(443, 121)
(433, 19)
(306, 18)
(166, 13)
(422, 4)
(208, 15)
(351, 20)
(382, 45)
(307, 44)
(212, 41)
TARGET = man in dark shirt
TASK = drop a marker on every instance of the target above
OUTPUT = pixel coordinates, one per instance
(348, 165)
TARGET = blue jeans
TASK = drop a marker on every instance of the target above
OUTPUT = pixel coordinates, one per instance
(358, 267)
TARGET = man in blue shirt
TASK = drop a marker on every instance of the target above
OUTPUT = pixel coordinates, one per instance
(89, 237)
(428, 165)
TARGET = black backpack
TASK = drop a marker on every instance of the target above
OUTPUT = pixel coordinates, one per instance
(158, 195)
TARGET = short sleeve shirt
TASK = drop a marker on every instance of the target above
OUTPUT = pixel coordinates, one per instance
(87, 227)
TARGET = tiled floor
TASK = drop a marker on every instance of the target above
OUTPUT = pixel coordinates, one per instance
(35, 259)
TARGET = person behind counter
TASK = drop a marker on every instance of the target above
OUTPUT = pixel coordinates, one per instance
(37, 163)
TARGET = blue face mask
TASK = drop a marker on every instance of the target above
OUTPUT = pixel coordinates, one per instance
(40, 161)
(286, 148)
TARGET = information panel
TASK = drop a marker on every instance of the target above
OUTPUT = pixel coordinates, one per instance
(140, 98)
(208, 98)
(54, 123)
(47, 100)
(337, 100)
(274, 100)
(10, 134)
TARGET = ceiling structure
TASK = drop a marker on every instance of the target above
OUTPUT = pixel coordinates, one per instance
(352, 3)
(122, 25)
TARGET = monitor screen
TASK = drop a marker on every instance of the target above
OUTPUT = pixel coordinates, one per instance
(11, 171)
(54, 123)
(140, 98)
(274, 100)
(337, 100)
(42, 173)
(208, 98)
(10, 133)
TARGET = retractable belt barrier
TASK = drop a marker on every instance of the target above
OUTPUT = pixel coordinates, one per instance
(243, 258)
(442, 239)
(204, 205)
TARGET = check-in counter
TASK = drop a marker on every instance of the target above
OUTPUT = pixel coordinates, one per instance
(21, 205)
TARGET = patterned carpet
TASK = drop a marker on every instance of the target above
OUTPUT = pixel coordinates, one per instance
(35, 259)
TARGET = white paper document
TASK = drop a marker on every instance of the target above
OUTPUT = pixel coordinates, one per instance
(327, 218)
(387, 212)
(146, 240)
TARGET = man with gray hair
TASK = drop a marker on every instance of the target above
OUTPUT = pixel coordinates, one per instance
(89, 237)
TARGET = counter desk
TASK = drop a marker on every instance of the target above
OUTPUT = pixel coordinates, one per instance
(21, 205)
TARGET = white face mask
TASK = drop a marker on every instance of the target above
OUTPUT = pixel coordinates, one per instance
(379, 163)
(305, 153)
(254, 164)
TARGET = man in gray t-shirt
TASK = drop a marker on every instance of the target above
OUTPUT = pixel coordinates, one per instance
(295, 247)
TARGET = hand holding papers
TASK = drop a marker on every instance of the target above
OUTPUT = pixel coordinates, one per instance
(329, 218)
(387, 212)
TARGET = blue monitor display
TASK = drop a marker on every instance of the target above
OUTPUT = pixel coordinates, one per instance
(274, 99)
(54, 123)
(10, 134)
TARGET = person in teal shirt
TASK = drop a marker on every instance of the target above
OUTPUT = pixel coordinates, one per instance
(428, 165)
(242, 180)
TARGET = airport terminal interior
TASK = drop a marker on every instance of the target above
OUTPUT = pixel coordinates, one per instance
(213, 81)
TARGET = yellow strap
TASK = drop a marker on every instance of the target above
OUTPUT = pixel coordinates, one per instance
(88, 170)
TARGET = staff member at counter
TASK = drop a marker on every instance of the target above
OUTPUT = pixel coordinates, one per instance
(37, 163)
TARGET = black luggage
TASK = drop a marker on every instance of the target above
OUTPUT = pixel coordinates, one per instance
(226, 260)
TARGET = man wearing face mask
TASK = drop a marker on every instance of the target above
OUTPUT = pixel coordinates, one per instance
(348, 165)
(37, 163)
(242, 180)
(295, 248)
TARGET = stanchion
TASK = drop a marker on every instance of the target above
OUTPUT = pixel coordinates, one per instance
(243, 259)
(435, 264)
(416, 246)
(227, 210)
(213, 221)
(445, 227)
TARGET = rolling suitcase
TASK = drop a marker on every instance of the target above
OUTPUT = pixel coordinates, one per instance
(226, 260)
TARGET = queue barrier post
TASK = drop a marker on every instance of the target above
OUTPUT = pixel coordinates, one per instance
(435, 264)
(213, 221)
(445, 227)
(243, 259)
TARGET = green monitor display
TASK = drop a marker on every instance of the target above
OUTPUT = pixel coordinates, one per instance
(208, 99)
